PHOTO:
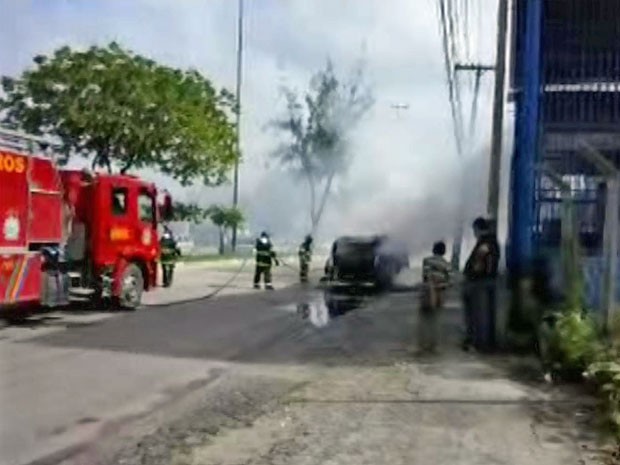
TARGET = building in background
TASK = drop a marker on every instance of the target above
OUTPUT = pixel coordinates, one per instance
(566, 87)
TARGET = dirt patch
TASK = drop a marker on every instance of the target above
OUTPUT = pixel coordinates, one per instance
(232, 403)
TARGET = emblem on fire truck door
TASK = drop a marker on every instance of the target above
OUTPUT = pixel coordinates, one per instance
(11, 228)
(146, 237)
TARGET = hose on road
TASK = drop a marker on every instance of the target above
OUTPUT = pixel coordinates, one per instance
(296, 268)
(211, 294)
(219, 289)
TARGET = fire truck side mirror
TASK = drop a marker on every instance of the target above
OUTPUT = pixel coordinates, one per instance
(166, 210)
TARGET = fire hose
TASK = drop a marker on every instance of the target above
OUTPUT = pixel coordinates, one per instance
(211, 294)
(296, 268)
(219, 289)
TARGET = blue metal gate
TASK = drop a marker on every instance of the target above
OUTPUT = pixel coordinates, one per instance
(566, 82)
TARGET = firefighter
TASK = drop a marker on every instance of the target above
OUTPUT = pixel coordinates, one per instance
(480, 275)
(305, 256)
(169, 253)
(436, 278)
(265, 258)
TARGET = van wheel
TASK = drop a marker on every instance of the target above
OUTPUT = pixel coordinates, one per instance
(132, 286)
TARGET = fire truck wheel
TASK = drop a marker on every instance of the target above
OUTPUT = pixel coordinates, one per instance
(132, 285)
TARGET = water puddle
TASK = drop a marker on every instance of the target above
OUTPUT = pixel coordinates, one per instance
(322, 309)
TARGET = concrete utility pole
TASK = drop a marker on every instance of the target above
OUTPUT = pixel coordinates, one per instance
(498, 111)
(238, 115)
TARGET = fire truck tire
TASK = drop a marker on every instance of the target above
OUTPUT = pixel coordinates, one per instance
(132, 285)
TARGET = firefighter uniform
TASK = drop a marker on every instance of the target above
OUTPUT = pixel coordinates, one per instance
(305, 256)
(169, 253)
(265, 258)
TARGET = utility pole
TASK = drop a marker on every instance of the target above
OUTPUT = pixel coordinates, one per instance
(238, 116)
(495, 165)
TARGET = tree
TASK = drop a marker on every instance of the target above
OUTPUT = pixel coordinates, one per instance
(225, 218)
(124, 109)
(317, 132)
(189, 212)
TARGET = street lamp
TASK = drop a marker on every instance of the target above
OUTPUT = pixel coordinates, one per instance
(238, 115)
(398, 107)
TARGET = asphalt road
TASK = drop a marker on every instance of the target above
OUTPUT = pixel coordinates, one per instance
(144, 387)
(287, 326)
(62, 386)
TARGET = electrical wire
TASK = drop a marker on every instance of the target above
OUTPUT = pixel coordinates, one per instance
(448, 48)
(455, 19)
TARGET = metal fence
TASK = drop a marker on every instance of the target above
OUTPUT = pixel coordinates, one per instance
(578, 98)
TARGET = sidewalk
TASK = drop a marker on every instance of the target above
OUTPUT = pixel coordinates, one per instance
(444, 412)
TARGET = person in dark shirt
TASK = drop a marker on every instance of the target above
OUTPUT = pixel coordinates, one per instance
(480, 275)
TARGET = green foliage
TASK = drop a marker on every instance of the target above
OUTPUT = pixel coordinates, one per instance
(189, 212)
(221, 216)
(225, 217)
(606, 375)
(604, 371)
(571, 345)
(317, 131)
(125, 109)
(573, 342)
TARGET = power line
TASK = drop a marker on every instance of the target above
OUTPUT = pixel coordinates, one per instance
(448, 48)
(455, 24)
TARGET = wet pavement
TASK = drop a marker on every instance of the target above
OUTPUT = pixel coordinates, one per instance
(286, 326)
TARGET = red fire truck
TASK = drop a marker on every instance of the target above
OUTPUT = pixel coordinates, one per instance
(68, 235)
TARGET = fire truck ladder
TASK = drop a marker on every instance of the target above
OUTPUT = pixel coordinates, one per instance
(25, 143)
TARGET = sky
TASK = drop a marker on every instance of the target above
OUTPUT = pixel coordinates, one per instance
(405, 164)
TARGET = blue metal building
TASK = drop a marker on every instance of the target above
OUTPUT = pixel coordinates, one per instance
(566, 85)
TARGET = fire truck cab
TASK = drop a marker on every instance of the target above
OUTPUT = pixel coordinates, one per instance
(69, 235)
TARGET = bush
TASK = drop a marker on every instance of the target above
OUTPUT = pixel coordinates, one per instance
(605, 373)
(571, 344)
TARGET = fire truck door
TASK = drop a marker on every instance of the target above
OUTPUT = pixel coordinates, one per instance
(120, 227)
(148, 220)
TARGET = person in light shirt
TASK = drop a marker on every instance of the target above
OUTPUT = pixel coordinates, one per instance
(436, 279)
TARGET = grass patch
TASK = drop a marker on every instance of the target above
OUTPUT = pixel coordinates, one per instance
(212, 257)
